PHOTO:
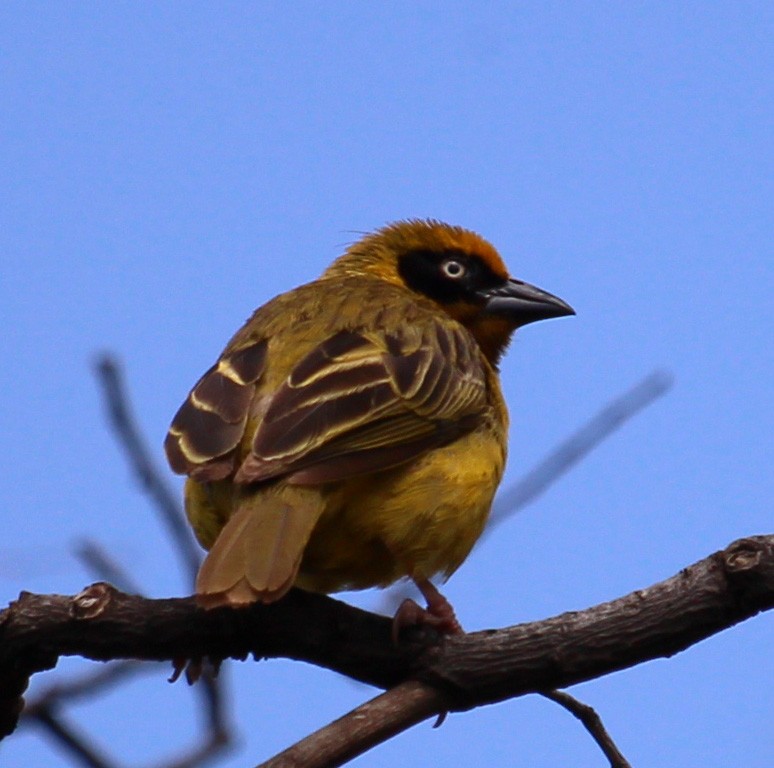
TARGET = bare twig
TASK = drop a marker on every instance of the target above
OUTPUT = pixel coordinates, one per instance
(561, 460)
(212, 697)
(464, 671)
(139, 457)
(401, 707)
(405, 704)
(578, 445)
(212, 745)
(85, 753)
(78, 747)
(165, 501)
(593, 724)
(95, 681)
(104, 567)
(45, 709)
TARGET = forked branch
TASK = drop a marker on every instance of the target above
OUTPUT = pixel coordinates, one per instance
(461, 672)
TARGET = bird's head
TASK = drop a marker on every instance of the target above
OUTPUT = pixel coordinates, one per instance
(458, 270)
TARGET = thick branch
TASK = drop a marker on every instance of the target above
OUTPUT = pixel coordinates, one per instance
(469, 670)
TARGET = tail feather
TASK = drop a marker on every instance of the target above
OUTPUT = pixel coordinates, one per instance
(257, 554)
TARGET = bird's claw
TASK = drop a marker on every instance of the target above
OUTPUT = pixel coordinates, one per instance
(439, 615)
(194, 669)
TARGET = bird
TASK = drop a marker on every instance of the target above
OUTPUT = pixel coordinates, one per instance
(353, 432)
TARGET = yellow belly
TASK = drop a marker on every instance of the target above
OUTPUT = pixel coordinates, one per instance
(397, 523)
(418, 520)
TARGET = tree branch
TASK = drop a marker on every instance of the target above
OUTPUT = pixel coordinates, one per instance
(502, 664)
(75, 744)
(166, 504)
(401, 707)
(364, 727)
(463, 671)
(125, 427)
(110, 376)
(578, 445)
(593, 724)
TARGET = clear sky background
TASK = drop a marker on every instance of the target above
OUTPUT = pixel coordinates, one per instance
(166, 168)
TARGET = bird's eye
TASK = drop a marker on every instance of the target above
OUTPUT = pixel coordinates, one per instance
(453, 268)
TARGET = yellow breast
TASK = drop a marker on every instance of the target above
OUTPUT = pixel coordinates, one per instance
(392, 524)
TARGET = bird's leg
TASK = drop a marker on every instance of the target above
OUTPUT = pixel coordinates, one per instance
(439, 613)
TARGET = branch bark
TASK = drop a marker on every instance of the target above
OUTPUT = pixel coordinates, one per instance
(459, 672)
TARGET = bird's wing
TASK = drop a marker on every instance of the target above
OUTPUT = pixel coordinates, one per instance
(364, 401)
(359, 402)
(210, 424)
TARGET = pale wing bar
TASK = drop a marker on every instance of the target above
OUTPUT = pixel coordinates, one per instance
(209, 426)
(362, 402)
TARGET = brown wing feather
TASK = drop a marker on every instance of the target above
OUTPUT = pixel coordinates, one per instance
(210, 424)
(362, 402)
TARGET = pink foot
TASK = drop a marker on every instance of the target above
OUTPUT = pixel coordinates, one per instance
(439, 613)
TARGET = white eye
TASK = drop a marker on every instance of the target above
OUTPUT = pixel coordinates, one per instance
(453, 268)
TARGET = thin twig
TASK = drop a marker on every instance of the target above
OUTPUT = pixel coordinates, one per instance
(211, 692)
(86, 685)
(592, 723)
(104, 567)
(561, 460)
(211, 689)
(44, 710)
(65, 735)
(212, 745)
(84, 753)
(139, 456)
(579, 444)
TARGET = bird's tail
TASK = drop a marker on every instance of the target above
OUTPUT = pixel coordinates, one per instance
(256, 555)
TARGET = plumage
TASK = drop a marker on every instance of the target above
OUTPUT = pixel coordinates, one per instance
(353, 431)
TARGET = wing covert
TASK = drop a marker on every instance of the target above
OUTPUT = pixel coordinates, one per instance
(364, 401)
(210, 424)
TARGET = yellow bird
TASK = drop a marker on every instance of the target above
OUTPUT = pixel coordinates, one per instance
(353, 431)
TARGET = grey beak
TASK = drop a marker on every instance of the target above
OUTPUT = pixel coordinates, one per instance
(523, 303)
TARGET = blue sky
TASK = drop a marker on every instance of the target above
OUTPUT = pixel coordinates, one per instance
(167, 168)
